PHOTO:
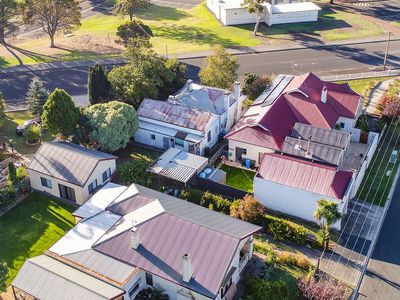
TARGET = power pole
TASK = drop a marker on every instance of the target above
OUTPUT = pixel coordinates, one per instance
(387, 51)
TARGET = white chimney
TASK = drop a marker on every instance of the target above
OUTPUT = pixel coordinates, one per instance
(237, 98)
(135, 239)
(189, 86)
(187, 268)
(324, 94)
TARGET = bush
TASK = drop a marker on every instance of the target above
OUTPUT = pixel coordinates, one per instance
(12, 173)
(215, 202)
(282, 229)
(261, 289)
(32, 133)
(191, 195)
(363, 123)
(247, 209)
(135, 171)
(7, 196)
(297, 260)
(323, 289)
(255, 84)
(21, 173)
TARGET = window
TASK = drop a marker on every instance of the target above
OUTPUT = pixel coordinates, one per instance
(179, 142)
(92, 186)
(134, 288)
(46, 182)
(342, 124)
(153, 137)
(149, 279)
(209, 136)
(225, 289)
(106, 174)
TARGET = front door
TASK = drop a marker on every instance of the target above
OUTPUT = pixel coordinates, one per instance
(239, 153)
(166, 143)
(67, 192)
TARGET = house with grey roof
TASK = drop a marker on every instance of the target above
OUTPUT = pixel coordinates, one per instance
(191, 120)
(132, 238)
(70, 171)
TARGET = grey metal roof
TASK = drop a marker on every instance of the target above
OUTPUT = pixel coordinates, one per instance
(66, 161)
(175, 114)
(46, 278)
(102, 264)
(320, 152)
(322, 136)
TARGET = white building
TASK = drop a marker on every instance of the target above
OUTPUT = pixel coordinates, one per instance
(293, 185)
(231, 12)
(141, 239)
(192, 120)
(288, 101)
(69, 171)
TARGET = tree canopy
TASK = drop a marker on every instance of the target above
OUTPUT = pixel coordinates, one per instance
(258, 8)
(220, 69)
(98, 85)
(134, 32)
(3, 275)
(113, 124)
(8, 9)
(247, 209)
(36, 96)
(52, 15)
(128, 7)
(60, 116)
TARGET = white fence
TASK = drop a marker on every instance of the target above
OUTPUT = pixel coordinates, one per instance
(373, 139)
(361, 75)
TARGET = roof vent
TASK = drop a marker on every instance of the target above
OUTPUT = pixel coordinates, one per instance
(135, 239)
(172, 99)
(187, 268)
(324, 94)
(298, 145)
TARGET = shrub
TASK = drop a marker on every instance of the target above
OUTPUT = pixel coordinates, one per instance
(294, 259)
(363, 123)
(328, 289)
(217, 202)
(7, 196)
(32, 133)
(135, 171)
(191, 195)
(261, 289)
(21, 173)
(255, 84)
(12, 173)
(247, 209)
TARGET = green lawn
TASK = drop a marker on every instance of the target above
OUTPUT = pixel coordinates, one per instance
(359, 85)
(376, 183)
(9, 131)
(189, 30)
(135, 151)
(239, 178)
(32, 227)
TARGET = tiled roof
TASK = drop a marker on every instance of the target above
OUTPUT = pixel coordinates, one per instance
(66, 161)
(300, 101)
(305, 175)
(174, 114)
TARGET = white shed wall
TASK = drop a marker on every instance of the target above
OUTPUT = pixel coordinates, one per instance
(253, 152)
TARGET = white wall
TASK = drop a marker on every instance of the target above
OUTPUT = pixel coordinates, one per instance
(81, 193)
(293, 17)
(291, 201)
(253, 152)
(237, 16)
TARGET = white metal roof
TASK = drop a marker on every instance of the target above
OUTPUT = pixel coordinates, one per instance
(46, 278)
(294, 7)
(100, 200)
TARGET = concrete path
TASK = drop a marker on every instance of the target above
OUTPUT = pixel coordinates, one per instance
(376, 95)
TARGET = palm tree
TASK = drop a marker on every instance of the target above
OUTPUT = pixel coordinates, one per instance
(327, 214)
(256, 7)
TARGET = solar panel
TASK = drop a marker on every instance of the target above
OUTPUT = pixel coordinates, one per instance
(269, 90)
(277, 91)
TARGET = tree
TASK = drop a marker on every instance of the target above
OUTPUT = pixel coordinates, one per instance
(327, 214)
(113, 124)
(3, 275)
(98, 85)
(256, 7)
(128, 7)
(391, 108)
(8, 9)
(220, 69)
(2, 110)
(179, 79)
(36, 97)
(12, 173)
(134, 32)
(255, 84)
(60, 116)
(52, 15)
(247, 209)
(325, 289)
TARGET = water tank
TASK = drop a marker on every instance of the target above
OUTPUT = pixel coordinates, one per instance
(247, 163)
(207, 171)
(202, 175)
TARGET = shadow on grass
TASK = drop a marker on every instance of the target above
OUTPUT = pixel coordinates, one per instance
(159, 13)
(3, 63)
(25, 229)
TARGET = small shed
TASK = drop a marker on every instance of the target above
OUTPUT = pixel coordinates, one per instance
(178, 165)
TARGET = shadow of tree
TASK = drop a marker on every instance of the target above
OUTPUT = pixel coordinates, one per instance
(159, 13)
(195, 34)
(3, 62)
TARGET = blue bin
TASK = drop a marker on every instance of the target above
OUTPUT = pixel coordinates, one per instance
(247, 163)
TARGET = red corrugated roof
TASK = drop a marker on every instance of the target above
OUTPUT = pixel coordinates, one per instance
(305, 175)
(301, 102)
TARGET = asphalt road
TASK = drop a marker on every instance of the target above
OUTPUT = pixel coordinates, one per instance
(382, 279)
(346, 59)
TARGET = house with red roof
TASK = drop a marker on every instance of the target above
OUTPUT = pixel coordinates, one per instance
(293, 185)
(304, 99)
